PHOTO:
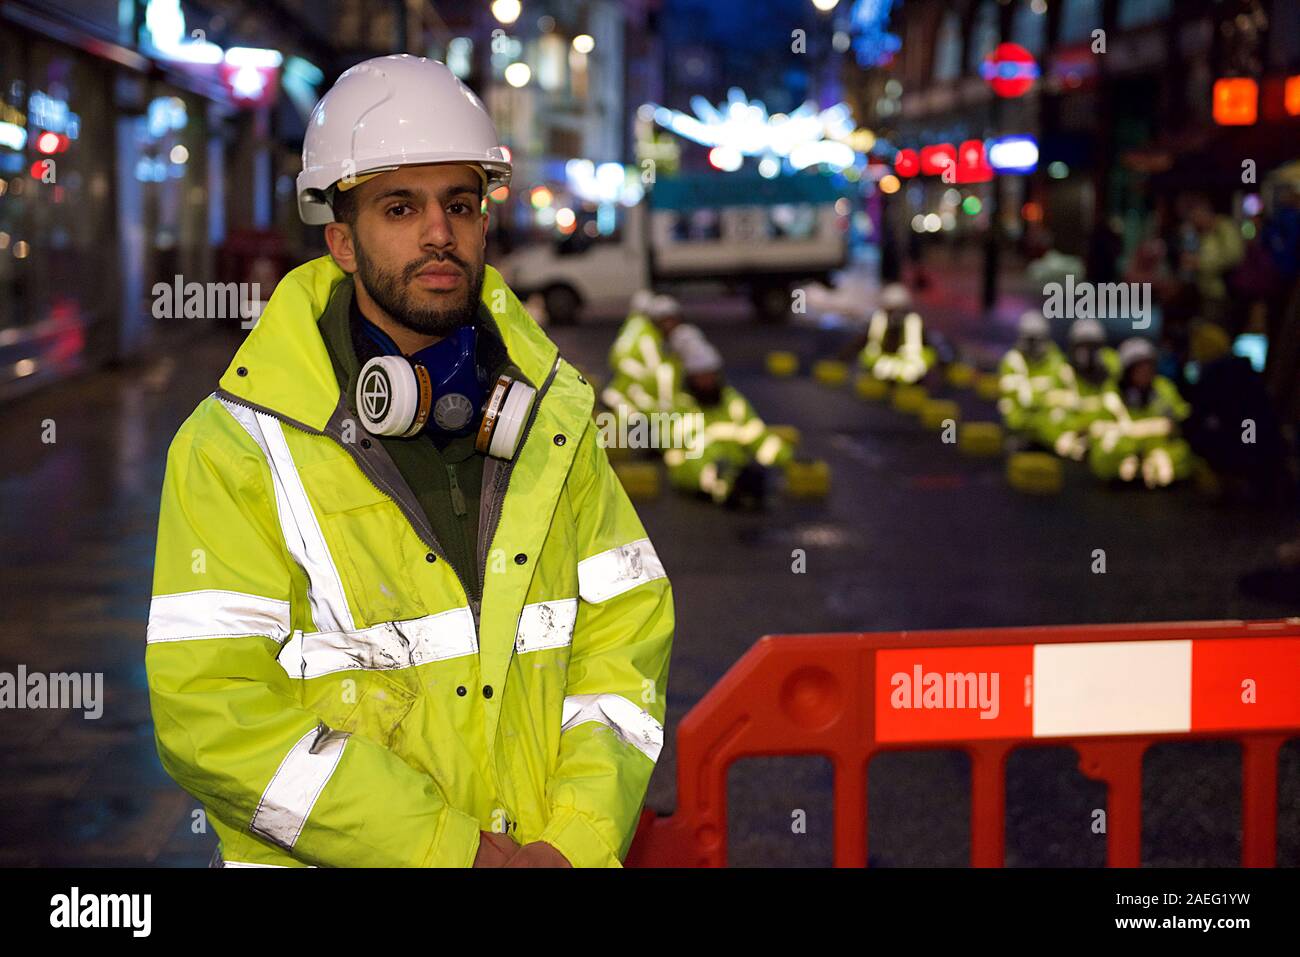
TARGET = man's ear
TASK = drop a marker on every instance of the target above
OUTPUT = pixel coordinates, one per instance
(338, 237)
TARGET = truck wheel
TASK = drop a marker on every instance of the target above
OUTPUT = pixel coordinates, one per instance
(562, 305)
(771, 302)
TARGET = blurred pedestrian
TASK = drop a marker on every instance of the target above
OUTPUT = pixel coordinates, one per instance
(1212, 248)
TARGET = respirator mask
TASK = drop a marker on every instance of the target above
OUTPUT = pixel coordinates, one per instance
(441, 392)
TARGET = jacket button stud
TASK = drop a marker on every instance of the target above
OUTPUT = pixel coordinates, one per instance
(560, 439)
(241, 371)
(487, 691)
(431, 558)
(521, 558)
(365, 443)
(461, 690)
(581, 379)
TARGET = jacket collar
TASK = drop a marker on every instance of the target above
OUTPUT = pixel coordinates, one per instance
(286, 365)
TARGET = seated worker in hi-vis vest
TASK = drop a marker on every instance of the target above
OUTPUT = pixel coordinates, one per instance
(1025, 374)
(896, 348)
(644, 375)
(1138, 434)
(1074, 401)
(729, 449)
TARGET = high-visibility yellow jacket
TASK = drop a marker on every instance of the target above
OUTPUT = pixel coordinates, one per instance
(320, 680)
(644, 375)
(909, 362)
(724, 438)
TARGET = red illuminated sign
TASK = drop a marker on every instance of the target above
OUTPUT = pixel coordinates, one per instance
(1010, 70)
(1236, 101)
(972, 164)
(907, 163)
(935, 159)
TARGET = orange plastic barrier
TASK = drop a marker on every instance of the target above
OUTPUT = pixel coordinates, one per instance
(1109, 691)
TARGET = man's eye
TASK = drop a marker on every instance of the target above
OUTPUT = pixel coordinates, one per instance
(394, 210)
(458, 209)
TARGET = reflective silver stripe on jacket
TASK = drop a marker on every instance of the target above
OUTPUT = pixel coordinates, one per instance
(617, 570)
(215, 613)
(546, 624)
(384, 647)
(288, 799)
(298, 523)
(632, 724)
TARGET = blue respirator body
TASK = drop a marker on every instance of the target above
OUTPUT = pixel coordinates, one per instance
(439, 391)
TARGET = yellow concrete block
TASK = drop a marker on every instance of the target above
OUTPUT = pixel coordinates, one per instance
(807, 479)
(1036, 473)
(782, 364)
(870, 388)
(980, 439)
(830, 372)
(640, 479)
(789, 434)
(987, 387)
(960, 375)
(936, 412)
(909, 398)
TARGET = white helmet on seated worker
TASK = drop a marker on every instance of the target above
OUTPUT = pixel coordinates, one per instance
(393, 111)
(641, 300)
(1087, 331)
(1135, 350)
(895, 296)
(696, 352)
(662, 306)
(1032, 325)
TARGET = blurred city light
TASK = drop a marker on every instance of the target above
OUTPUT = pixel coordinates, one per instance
(1013, 154)
(506, 11)
(518, 74)
(1236, 101)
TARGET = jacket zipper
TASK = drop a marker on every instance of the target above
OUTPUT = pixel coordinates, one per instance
(412, 520)
(501, 482)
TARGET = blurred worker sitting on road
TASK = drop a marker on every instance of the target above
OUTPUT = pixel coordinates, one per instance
(1073, 402)
(896, 348)
(1025, 375)
(1138, 434)
(732, 449)
(645, 377)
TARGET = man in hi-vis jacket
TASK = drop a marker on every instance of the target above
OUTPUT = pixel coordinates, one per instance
(403, 612)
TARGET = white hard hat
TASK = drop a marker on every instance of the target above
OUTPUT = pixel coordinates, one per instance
(1135, 350)
(1033, 325)
(1087, 331)
(662, 305)
(697, 354)
(641, 300)
(393, 111)
(895, 296)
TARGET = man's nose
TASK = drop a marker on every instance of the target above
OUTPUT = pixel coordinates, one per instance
(435, 230)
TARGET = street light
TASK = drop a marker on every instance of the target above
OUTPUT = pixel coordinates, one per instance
(825, 6)
(584, 43)
(518, 74)
(506, 11)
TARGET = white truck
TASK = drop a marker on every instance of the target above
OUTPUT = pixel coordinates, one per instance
(745, 233)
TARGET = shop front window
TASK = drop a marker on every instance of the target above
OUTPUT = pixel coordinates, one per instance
(56, 152)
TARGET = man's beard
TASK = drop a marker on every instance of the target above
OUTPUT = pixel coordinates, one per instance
(390, 291)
